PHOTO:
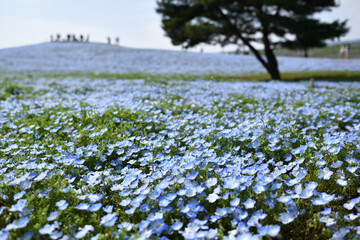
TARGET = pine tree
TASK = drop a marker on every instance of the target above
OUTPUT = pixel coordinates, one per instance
(273, 23)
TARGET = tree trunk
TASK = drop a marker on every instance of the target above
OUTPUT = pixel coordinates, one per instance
(274, 72)
(272, 65)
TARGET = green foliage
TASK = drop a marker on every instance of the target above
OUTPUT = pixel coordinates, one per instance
(189, 23)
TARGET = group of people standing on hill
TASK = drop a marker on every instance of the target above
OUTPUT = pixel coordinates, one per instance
(70, 38)
(80, 38)
(117, 40)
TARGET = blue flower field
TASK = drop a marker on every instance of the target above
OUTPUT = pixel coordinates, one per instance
(136, 159)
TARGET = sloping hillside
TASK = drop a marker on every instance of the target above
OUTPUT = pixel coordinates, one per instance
(100, 58)
(330, 51)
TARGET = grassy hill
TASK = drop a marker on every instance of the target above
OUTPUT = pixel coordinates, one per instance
(330, 51)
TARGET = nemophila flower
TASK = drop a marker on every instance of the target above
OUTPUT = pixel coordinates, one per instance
(4, 235)
(320, 163)
(41, 176)
(177, 226)
(190, 191)
(47, 229)
(259, 188)
(351, 217)
(19, 195)
(53, 215)
(231, 182)
(93, 198)
(326, 211)
(235, 202)
(136, 202)
(154, 195)
(158, 226)
(286, 218)
(95, 207)
(342, 182)
(351, 204)
(323, 199)
(328, 221)
(84, 231)
(16, 224)
(334, 150)
(271, 230)
(57, 235)
(19, 206)
(144, 208)
(221, 212)
(108, 220)
(299, 150)
(336, 164)
(325, 173)
(62, 204)
(108, 208)
(82, 206)
(210, 182)
(126, 225)
(125, 202)
(212, 197)
(249, 203)
(284, 199)
(130, 210)
(352, 170)
(340, 234)
(143, 225)
(276, 186)
(27, 236)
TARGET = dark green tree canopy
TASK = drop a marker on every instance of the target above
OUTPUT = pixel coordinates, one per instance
(287, 23)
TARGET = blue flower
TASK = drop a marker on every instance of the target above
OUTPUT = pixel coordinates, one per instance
(16, 224)
(286, 218)
(177, 226)
(53, 215)
(249, 203)
(19, 195)
(235, 202)
(62, 204)
(108, 208)
(93, 198)
(212, 197)
(158, 226)
(84, 231)
(95, 207)
(325, 174)
(126, 225)
(82, 206)
(323, 199)
(19, 206)
(271, 230)
(47, 229)
(108, 220)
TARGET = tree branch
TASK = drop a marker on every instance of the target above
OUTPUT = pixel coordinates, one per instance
(243, 39)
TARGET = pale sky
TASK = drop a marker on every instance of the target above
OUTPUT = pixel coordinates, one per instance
(25, 22)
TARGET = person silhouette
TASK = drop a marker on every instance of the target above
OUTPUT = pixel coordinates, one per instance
(74, 38)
